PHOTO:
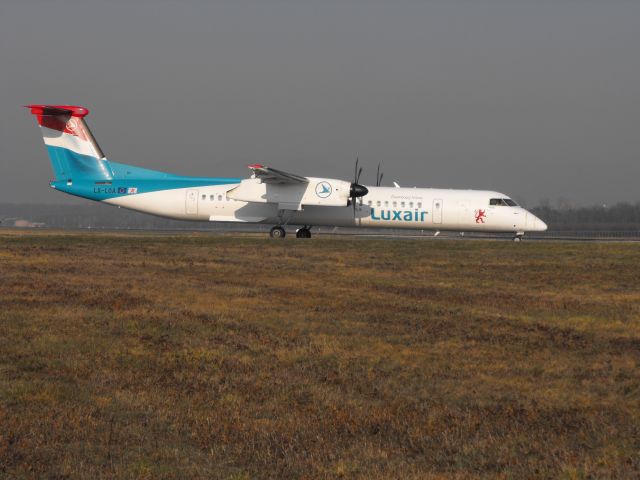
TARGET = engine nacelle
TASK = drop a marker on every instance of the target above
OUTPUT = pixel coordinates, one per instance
(293, 196)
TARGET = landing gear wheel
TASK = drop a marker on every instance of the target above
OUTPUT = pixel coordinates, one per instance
(277, 232)
(303, 233)
(517, 238)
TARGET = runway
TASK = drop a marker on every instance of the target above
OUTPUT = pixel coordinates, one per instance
(365, 233)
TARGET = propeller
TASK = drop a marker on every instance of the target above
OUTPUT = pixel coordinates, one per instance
(356, 189)
(379, 176)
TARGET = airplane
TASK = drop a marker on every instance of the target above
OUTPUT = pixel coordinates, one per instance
(268, 196)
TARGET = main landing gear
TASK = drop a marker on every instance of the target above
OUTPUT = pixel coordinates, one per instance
(303, 232)
(518, 237)
(278, 232)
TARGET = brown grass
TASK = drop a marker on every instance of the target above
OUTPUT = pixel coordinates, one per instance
(201, 356)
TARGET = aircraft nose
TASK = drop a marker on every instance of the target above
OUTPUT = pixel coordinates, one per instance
(539, 225)
(533, 223)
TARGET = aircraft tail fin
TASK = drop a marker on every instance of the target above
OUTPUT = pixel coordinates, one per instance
(73, 151)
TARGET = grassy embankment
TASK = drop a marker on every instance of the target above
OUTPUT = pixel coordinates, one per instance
(141, 356)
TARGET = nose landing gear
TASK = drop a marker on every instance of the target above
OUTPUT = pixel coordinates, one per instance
(277, 232)
(518, 236)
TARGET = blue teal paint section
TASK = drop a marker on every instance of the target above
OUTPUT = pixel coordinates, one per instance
(69, 164)
(120, 188)
(123, 171)
(96, 179)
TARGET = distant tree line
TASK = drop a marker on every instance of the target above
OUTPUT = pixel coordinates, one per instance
(92, 215)
(618, 217)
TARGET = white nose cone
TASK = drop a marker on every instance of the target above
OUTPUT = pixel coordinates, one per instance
(539, 225)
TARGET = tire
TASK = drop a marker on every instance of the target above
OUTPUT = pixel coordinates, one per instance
(277, 232)
(303, 233)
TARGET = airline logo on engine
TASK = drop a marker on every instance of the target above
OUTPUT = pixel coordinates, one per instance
(323, 189)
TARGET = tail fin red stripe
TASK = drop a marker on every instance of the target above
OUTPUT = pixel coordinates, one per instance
(72, 110)
(63, 118)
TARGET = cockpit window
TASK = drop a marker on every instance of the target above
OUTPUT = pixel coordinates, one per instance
(503, 202)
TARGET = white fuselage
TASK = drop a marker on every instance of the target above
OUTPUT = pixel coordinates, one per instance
(382, 207)
(269, 196)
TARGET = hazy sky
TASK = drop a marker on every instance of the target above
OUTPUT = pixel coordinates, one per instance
(539, 99)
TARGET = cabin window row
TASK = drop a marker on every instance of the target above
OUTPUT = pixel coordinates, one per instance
(380, 203)
(213, 197)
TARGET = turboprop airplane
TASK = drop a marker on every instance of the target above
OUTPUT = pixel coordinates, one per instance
(269, 196)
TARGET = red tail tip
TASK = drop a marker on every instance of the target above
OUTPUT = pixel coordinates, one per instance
(73, 110)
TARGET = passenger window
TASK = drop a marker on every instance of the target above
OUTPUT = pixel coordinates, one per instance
(402, 204)
(419, 204)
(369, 203)
(378, 203)
(410, 204)
(204, 197)
(219, 198)
(386, 203)
(211, 197)
(395, 204)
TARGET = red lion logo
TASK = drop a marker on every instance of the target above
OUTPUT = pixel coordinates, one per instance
(480, 216)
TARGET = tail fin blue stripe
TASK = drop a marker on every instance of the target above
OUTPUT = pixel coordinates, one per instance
(68, 165)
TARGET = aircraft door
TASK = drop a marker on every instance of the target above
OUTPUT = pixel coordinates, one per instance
(437, 211)
(191, 205)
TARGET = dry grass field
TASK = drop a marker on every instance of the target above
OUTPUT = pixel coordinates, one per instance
(220, 356)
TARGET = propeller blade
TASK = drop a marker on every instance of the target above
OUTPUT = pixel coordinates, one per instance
(356, 190)
(379, 175)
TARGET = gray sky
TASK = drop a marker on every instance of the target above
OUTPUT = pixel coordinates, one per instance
(538, 99)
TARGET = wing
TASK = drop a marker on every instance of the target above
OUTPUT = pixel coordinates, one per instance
(271, 175)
